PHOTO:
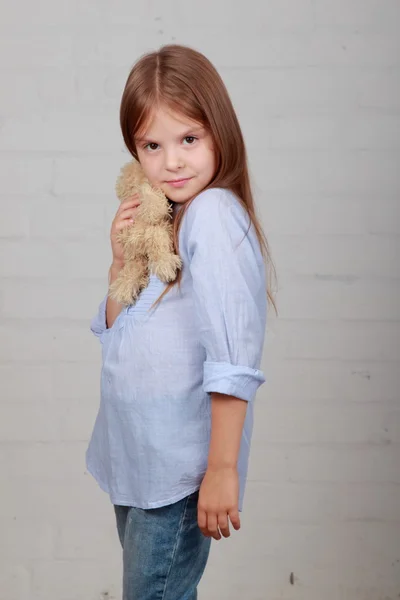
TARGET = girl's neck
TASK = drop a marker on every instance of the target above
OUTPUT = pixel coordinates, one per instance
(176, 207)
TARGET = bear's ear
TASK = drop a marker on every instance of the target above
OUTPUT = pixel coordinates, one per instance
(130, 178)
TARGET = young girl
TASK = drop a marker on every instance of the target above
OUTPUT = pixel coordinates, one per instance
(181, 366)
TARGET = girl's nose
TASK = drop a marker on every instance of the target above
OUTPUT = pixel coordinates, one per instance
(173, 160)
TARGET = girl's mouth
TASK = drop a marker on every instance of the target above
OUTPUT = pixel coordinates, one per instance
(178, 182)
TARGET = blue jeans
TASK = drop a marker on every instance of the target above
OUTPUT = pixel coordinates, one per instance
(164, 551)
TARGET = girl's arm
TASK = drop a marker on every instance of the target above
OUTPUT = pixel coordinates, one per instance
(108, 309)
(113, 308)
(230, 303)
(219, 490)
(227, 419)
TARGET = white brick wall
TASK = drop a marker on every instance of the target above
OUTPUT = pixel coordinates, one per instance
(316, 84)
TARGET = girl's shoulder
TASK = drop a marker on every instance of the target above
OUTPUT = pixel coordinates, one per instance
(214, 207)
(215, 218)
(213, 198)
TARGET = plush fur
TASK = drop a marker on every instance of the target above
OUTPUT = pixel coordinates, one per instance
(147, 243)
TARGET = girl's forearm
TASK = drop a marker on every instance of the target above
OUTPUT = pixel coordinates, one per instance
(227, 418)
(113, 308)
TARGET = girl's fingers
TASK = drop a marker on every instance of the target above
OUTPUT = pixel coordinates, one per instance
(125, 218)
(202, 522)
(223, 524)
(127, 212)
(235, 518)
(122, 224)
(134, 198)
(212, 526)
(131, 202)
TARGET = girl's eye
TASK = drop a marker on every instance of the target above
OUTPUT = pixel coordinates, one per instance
(189, 139)
(151, 146)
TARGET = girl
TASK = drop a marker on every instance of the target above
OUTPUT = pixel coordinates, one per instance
(181, 367)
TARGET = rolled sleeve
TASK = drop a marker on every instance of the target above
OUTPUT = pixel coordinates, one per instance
(233, 380)
(229, 293)
(98, 324)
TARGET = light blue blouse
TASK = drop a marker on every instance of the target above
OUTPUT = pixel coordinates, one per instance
(149, 446)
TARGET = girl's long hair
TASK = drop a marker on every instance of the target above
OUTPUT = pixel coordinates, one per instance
(187, 83)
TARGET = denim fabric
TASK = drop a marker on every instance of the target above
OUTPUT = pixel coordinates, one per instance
(164, 551)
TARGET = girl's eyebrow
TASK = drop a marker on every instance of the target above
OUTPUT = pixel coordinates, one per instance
(197, 130)
(139, 140)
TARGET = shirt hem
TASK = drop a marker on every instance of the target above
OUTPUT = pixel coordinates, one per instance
(116, 501)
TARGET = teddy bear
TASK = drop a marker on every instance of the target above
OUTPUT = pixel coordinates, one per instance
(147, 243)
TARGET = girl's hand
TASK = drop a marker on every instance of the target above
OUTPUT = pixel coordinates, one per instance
(124, 216)
(218, 500)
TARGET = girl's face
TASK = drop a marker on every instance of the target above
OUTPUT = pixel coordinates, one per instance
(176, 155)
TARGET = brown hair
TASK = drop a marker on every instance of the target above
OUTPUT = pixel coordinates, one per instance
(185, 81)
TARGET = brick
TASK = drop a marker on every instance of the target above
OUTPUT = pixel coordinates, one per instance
(34, 49)
(306, 548)
(313, 91)
(352, 131)
(16, 87)
(29, 258)
(15, 220)
(38, 462)
(316, 422)
(142, 15)
(62, 503)
(332, 340)
(233, 589)
(325, 382)
(71, 217)
(266, 48)
(73, 380)
(341, 463)
(41, 341)
(382, 590)
(358, 15)
(338, 172)
(315, 503)
(47, 14)
(27, 422)
(57, 88)
(77, 579)
(329, 172)
(78, 417)
(52, 298)
(69, 420)
(268, 462)
(20, 176)
(15, 580)
(339, 297)
(300, 91)
(66, 129)
(100, 87)
(19, 383)
(280, 172)
(89, 543)
(37, 536)
(278, 44)
(343, 259)
(121, 43)
(322, 215)
(87, 259)
(379, 90)
(313, 554)
(284, 15)
(91, 175)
